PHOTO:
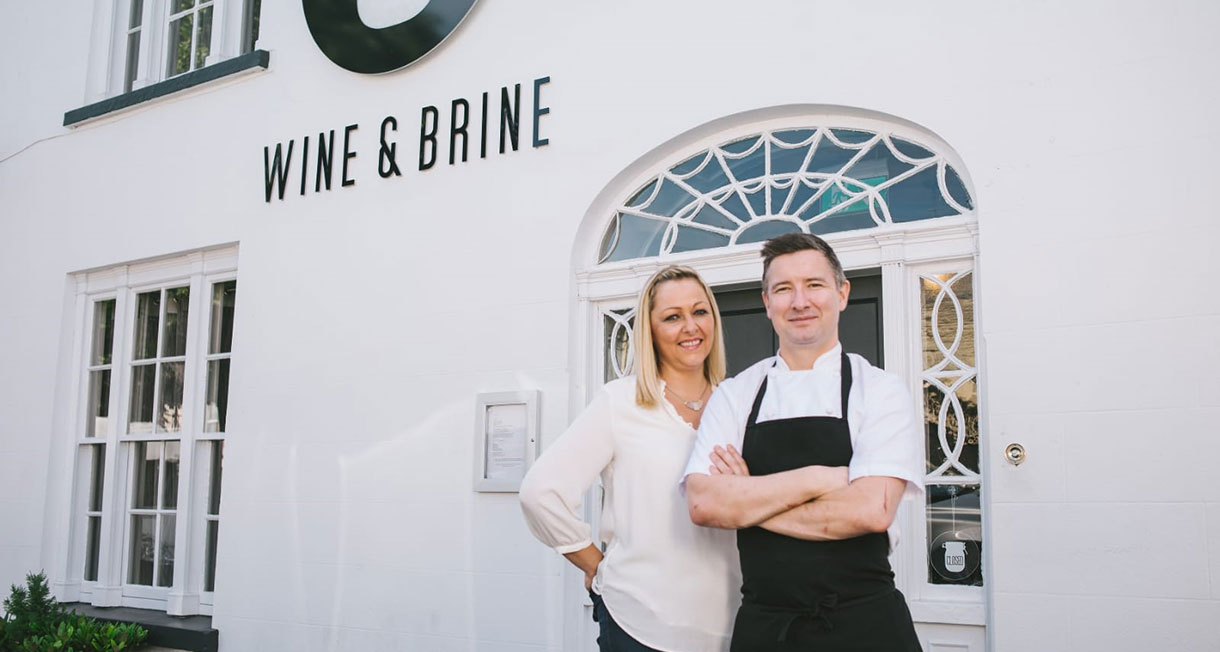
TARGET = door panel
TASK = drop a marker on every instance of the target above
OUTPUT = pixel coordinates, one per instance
(748, 335)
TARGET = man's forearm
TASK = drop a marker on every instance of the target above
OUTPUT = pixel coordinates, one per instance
(737, 501)
(865, 506)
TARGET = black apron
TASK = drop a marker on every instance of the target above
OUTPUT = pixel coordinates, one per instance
(814, 595)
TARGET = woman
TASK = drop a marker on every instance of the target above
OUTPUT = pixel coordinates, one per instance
(664, 584)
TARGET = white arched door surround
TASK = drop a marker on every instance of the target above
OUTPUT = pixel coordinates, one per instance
(889, 195)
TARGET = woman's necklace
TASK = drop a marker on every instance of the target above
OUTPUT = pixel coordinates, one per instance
(694, 406)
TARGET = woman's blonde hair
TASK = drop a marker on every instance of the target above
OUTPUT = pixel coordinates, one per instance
(647, 367)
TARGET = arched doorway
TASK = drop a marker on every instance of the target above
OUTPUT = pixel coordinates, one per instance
(895, 202)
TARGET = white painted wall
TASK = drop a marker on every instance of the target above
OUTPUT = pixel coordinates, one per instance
(370, 316)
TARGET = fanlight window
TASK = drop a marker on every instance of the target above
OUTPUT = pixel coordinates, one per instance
(816, 180)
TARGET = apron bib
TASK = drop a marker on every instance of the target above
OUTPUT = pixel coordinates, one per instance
(814, 595)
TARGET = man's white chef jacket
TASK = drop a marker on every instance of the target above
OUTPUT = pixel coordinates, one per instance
(885, 427)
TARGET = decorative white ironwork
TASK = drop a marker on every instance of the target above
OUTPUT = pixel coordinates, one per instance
(950, 401)
(814, 180)
(618, 344)
(949, 375)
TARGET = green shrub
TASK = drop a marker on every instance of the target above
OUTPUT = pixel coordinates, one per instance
(36, 622)
(30, 611)
(81, 634)
(116, 637)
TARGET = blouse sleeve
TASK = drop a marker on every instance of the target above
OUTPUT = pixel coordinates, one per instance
(552, 489)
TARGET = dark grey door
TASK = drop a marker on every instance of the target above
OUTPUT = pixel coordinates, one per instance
(748, 336)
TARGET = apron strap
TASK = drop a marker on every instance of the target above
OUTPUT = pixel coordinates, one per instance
(762, 390)
(844, 383)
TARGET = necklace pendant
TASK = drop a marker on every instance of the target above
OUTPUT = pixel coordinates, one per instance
(694, 405)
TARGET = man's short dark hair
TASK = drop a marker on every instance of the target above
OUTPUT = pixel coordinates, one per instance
(790, 243)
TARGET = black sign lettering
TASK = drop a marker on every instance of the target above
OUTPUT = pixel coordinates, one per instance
(510, 116)
(277, 172)
(427, 137)
(277, 165)
(348, 153)
(304, 164)
(386, 165)
(326, 157)
(455, 129)
(483, 133)
(540, 110)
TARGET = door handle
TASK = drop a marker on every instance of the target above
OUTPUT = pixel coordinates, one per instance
(1015, 454)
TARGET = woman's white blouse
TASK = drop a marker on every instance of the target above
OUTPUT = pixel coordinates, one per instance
(670, 584)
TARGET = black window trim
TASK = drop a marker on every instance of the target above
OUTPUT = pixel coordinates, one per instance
(257, 59)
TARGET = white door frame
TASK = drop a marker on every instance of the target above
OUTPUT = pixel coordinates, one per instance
(900, 251)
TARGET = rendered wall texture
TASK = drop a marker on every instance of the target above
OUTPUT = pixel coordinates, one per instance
(370, 316)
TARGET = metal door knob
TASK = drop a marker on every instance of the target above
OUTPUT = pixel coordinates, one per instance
(1015, 454)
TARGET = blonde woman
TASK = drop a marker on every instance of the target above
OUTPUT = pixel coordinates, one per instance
(663, 583)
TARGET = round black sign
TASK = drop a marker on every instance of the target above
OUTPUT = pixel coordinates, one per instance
(345, 39)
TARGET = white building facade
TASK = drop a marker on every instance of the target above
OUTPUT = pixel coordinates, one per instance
(256, 300)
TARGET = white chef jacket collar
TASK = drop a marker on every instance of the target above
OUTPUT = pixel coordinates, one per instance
(830, 358)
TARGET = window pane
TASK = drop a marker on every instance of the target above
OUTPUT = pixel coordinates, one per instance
(99, 403)
(165, 569)
(98, 477)
(133, 61)
(938, 453)
(828, 179)
(218, 448)
(91, 548)
(948, 320)
(224, 297)
(180, 46)
(949, 387)
(172, 378)
(637, 237)
(217, 464)
(169, 485)
(148, 311)
(143, 545)
(144, 489)
(955, 535)
(97, 473)
(203, 40)
(143, 381)
(137, 13)
(182, 5)
(252, 11)
(618, 324)
(177, 304)
(216, 409)
(209, 568)
(103, 332)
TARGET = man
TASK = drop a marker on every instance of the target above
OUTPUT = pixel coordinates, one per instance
(808, 454)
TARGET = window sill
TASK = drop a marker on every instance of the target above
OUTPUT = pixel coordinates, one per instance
(192, 633)
(257, 59)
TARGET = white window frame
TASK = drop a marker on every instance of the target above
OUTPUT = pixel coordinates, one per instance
(201, 270)
(900, 251)
(958, 604)
(108, 43)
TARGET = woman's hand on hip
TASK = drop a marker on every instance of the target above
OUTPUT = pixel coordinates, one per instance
(587, 559)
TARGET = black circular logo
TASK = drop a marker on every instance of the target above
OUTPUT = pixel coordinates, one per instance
(345, 39)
